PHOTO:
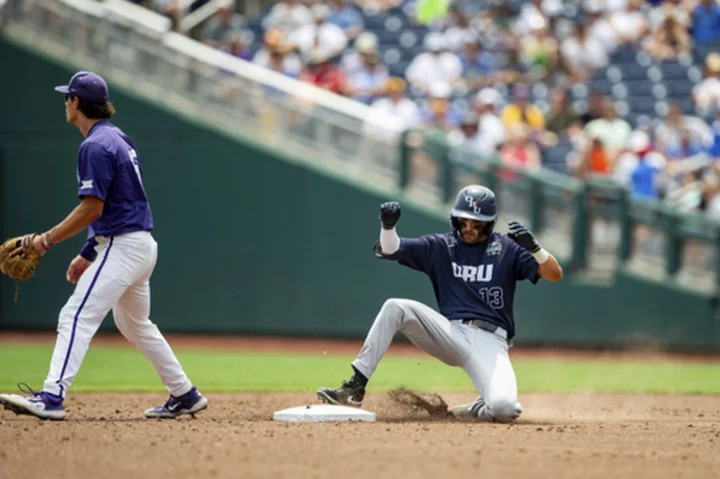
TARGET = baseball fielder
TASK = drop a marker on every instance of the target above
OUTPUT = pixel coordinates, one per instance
(473, 272)
(114, 267)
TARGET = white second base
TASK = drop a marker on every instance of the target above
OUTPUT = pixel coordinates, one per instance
(323, 413)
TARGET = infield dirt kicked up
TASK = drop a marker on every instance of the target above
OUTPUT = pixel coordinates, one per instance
(559, 435)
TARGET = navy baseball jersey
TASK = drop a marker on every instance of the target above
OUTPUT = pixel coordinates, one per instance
(109, 168)
(471, 281)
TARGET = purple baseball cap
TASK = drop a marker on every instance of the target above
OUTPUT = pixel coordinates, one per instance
(86, 85)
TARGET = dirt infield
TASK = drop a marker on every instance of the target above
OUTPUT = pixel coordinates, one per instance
(559, 436)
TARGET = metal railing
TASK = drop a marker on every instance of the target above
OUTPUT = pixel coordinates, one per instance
(594, 226)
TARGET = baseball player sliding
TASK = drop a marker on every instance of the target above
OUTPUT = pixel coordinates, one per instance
(114, 267)
(473, 272)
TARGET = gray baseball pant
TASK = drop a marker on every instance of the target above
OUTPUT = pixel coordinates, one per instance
(481, 354)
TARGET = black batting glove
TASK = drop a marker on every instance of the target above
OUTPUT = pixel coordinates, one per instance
(522, 236)
(390, 214)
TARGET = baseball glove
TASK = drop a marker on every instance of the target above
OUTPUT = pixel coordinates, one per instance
(22, 266)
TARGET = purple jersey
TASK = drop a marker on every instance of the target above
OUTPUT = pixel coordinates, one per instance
(471, 281)
(109, 168)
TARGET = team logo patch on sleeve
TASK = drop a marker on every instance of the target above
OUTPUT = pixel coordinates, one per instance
(86, 184)
(494, 249)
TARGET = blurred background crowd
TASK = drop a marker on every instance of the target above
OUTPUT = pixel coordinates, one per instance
(625, 89)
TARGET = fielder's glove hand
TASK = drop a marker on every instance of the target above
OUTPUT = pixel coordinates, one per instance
(23, 265)
(390, 214)
(522, 236)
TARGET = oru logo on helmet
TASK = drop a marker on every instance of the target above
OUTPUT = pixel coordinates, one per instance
(473, 203)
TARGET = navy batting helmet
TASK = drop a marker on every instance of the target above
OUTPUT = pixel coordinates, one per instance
(477, 203)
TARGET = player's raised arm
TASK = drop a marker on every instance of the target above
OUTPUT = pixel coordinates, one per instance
(414, 253)
(548, 266)
(389, 215)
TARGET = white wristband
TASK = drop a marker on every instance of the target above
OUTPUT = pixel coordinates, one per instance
(389, 241)
(541, 256)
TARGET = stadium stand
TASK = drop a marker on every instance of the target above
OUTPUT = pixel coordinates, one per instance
(639, 59)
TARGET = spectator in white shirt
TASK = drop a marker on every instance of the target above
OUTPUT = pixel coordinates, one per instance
(456, 34)
(707, 93)
(638, 144)
(288, 16)
(275, 46)
(368, 81)
(352, 59)
(467, 142)
(582, 54)
(391, 116)
(616, 5)
(491, 129)
(535, 14)
(630, 24)
(435, 65)
(669, 134)
(321, 33)
(680, 9)
(347, 17)
(668, 40)
(238, 44)
(222, 25)
(712, 194)
(600, 28)
(610, 129)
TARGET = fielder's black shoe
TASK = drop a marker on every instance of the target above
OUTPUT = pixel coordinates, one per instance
(351, 393)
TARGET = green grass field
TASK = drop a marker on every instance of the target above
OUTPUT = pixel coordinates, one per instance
(110, 369)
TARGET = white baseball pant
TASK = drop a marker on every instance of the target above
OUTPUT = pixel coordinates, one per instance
(119, 279)
(481, 354)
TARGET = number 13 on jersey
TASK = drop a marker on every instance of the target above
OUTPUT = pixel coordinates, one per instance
(493, 297)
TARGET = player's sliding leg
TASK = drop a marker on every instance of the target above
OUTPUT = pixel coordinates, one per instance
(492, 374)
(423, 326)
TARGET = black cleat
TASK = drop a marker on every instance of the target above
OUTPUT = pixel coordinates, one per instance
(349, 394)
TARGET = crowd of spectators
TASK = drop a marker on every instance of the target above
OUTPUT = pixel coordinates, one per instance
(475, 75)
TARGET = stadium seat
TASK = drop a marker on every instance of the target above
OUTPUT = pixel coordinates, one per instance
(388, 38)
(257, 29)
(612, 73)
(408, 39)
(394, 23)
(555, 157)
(392, 56)
(641, 104)
(637, 87)
(601, 85)
(679, 88)
(700, 52)
(619, 91)
(398, 69)
(673, 70)
(686, 103)
(634, 72)
(659, 91)
(624, 56)
(374, 22)
(579, 91)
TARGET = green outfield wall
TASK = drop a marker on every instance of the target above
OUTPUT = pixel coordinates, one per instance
(252, 243)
